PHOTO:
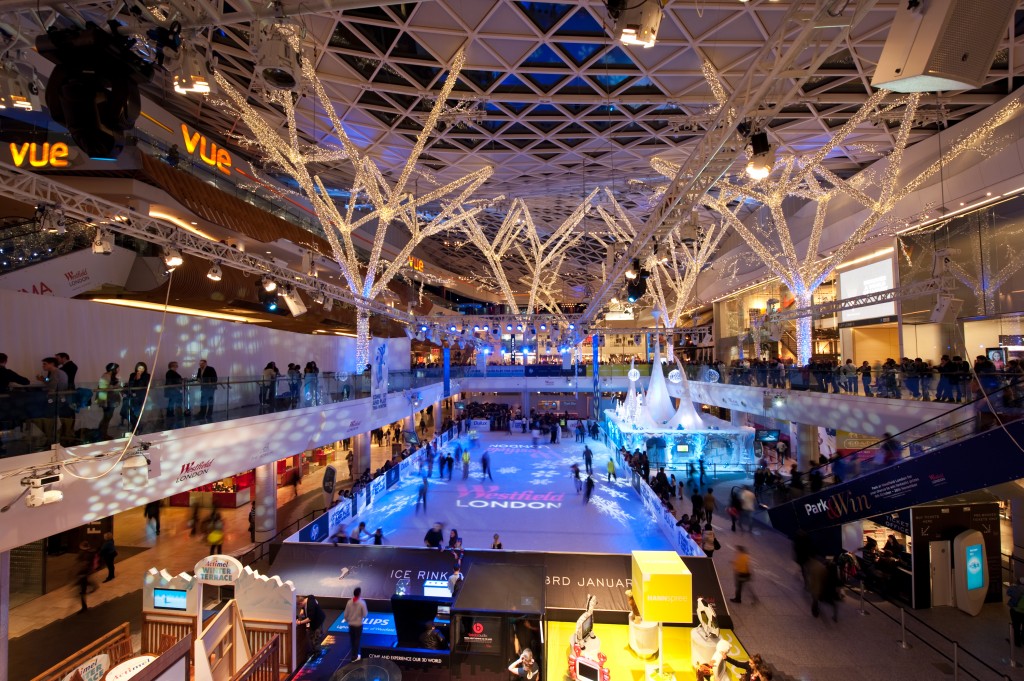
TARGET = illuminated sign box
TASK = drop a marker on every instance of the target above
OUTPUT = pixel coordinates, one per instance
(662, 587)
(43, 155)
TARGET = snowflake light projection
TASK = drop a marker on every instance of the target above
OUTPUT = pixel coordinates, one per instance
(812, 181)
(373, 204)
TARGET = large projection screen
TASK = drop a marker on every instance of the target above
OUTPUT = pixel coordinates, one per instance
(877, 276)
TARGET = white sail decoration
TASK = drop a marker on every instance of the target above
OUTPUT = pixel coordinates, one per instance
(686, 414)
(658, 403)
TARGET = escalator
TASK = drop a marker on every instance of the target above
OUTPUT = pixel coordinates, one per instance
(974, 446)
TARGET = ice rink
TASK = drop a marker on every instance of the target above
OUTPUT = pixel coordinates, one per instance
(531, 502)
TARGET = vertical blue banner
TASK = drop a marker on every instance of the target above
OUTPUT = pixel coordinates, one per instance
(595, 344)
(447, 354)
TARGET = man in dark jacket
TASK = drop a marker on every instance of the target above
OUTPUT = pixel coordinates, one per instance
(173, 390)
(7, 377)
(207, 377)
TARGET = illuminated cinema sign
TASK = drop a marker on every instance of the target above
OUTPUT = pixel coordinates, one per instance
(209, 152)
(43, 155)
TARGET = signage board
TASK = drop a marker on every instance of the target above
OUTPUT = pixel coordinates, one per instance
(209, 153)
(45, 155)
(129, 668)
(392, 477)
(93, 669)
(218, 569)
(379, 376)
(481, 634)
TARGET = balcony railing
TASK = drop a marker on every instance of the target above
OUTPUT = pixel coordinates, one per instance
(33, 418)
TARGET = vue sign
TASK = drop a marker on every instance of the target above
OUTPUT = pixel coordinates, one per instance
(40, 155)
(209, 152)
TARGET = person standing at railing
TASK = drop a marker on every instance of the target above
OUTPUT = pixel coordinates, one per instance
(268, 390)
(925, 374)
(174, 385)
(294, 378)
(138, 382)
(57, 409)
(207, 377)
(108, 396)
(849, 374)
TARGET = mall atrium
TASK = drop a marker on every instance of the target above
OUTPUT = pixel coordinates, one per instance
(716, 305)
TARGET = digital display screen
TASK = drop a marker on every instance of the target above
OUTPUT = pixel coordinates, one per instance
(862, 281)
(975, 567)
(766, 436)
(682, 449)
(170, 599)
(460, 405)
(436, 588)
(585, 669)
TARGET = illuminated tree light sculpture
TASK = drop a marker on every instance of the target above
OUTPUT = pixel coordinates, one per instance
(391, 205)
(811, 180)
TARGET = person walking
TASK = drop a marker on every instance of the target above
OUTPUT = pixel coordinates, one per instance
(485, 462)
(708, 541)
(588, 460)
(1015, 601)
(465, 463)
(108, 552)
(215, 534)
(742, 573)
(748, 504)
(422, 494)
(588, 489)
(355, 613)
(86, 565)
(252, 522)
(577, 481)
(697, 502)
(611, 470)
(152, 513)
(710, 505)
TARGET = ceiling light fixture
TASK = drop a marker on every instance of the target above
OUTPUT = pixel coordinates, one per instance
(103, 242)
(636, 23)
(172, 257)
(194, 72)
(215, 273)
(762, 156)
(276, 62)
(269, 285)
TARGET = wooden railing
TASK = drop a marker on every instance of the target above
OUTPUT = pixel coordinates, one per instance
(116, 643)
(157, 629)
(259, 633)
(172, 665)
(263, 666)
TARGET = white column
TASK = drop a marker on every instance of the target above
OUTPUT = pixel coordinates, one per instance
(438, 418)
(5, 610)
(266, 501)
(804, 441)
(360, 454)
(526, 404)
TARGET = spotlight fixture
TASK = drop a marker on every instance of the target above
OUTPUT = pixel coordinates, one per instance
(18, 90)
(328, 304)
(194, 72)
(51, 219)
(508, 327)
(636, 23)
(634, 269)
(318, 297)
(276, 62)
(269, 285)
(268, 299)
(293, 301)
(93, 90)
(215, 273)
(543, 327)
(103, 242)
(762, 156)
(172, 257)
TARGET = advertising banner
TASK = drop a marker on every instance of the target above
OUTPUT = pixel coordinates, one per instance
(392, 476)
(942, 522)
(936, 475)
(72, 274)
(481, 634)
(337, 516)
(316, 531)
(378, 485)
(379, 376)
(569, 577)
